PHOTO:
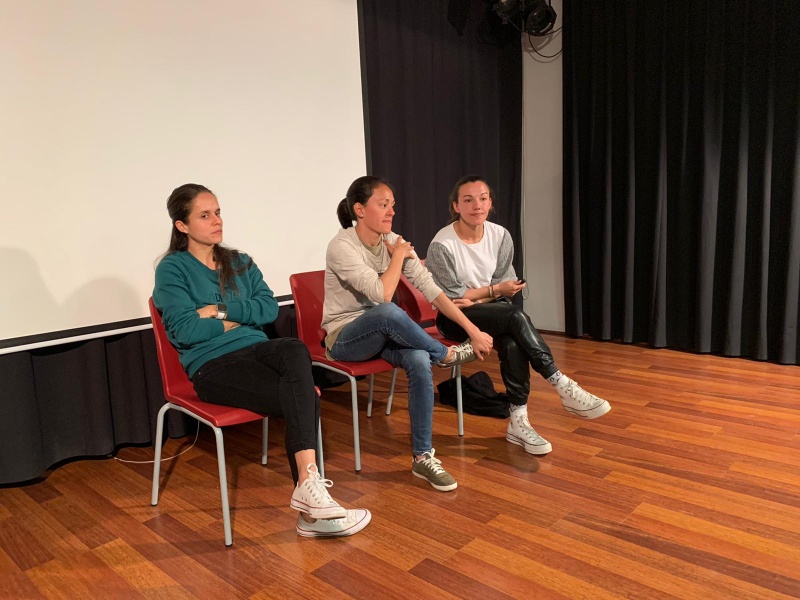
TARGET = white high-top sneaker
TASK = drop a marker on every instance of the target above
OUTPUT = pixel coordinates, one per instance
(578, 401)
(521, 433)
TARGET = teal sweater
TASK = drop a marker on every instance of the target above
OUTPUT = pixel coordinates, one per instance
(184, 284)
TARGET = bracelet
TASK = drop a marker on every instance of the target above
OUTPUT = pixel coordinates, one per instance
(491, 291)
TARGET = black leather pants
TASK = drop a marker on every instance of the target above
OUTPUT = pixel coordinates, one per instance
(516, 340)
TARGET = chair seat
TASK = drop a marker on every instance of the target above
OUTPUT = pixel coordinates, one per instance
(355, 369)
(218, 415)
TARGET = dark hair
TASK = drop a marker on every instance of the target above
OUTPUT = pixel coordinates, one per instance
(359, 192)
(453, 198)
(179, 207)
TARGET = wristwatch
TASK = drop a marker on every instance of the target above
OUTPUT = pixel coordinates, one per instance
(222, 312)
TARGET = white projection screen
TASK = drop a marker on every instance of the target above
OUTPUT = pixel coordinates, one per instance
(108, 105)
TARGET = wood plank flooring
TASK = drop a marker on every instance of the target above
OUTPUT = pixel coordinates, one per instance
(688, 488)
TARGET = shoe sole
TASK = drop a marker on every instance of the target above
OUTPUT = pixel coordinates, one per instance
(441, 488)
(326, 514)
(355, 528)
(530, 448)
(592, 413)
(455, 363)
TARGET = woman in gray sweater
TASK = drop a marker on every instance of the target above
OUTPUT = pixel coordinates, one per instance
(363, 265)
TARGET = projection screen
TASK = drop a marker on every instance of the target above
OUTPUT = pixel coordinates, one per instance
(108, 106)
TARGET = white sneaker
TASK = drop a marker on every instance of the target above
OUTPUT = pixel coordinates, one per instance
(312, 497)
(354, 521)
(521, 433)
(579, 402)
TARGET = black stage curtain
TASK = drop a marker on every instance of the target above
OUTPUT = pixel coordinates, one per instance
(79, 400)
(682, 174)
(443, 98)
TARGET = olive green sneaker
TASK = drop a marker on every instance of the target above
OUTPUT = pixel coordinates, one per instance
(463, 353)
(430, 469)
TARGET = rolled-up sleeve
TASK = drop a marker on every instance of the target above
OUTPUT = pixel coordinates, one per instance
(421, 278)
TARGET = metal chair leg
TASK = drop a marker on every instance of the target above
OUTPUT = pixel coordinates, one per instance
(264, 436)
(369, 397)
(157, 455)
(459, 406)
(320, 458)
(356, 438)
(223, 486)
(391, 392)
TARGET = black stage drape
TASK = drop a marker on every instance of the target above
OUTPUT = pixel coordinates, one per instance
(79, 400)
(682, 174)
(443, 99)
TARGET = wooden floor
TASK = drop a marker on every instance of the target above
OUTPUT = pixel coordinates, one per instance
(688, 488)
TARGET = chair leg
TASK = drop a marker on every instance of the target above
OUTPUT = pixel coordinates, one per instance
(391, 392)
(356, 439)
(223, 486)
(369, 397)
(157, 456)
(459, 406)
(264, 436)
(320, 458)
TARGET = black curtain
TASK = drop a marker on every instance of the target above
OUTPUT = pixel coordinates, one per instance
(682, 174)
(78, 400)
(443, 98)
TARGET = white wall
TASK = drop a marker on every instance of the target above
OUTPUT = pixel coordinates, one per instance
(105, 107)
(542, 191)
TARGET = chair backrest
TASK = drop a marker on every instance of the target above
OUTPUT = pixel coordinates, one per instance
(176, 383)
(411, 300)
(308, 291)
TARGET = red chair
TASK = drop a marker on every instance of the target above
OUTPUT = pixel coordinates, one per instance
(180, 395)
(411, 300)
(308, 291)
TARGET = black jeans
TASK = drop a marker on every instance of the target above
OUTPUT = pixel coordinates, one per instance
(272, 378)
(516, 340)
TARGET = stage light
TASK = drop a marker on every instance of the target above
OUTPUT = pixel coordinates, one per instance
(506, 8)
(540, 19)
(534, 17)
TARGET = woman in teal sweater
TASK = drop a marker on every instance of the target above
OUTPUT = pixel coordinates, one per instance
(214, 302)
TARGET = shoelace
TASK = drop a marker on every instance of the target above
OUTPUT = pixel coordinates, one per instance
(574, 391)
(434, 464)
(526, 428)
(461, 350)
(320, 486)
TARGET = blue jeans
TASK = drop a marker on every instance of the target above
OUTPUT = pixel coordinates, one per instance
(386, 331)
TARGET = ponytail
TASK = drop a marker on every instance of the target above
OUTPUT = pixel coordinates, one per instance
(344, 215)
